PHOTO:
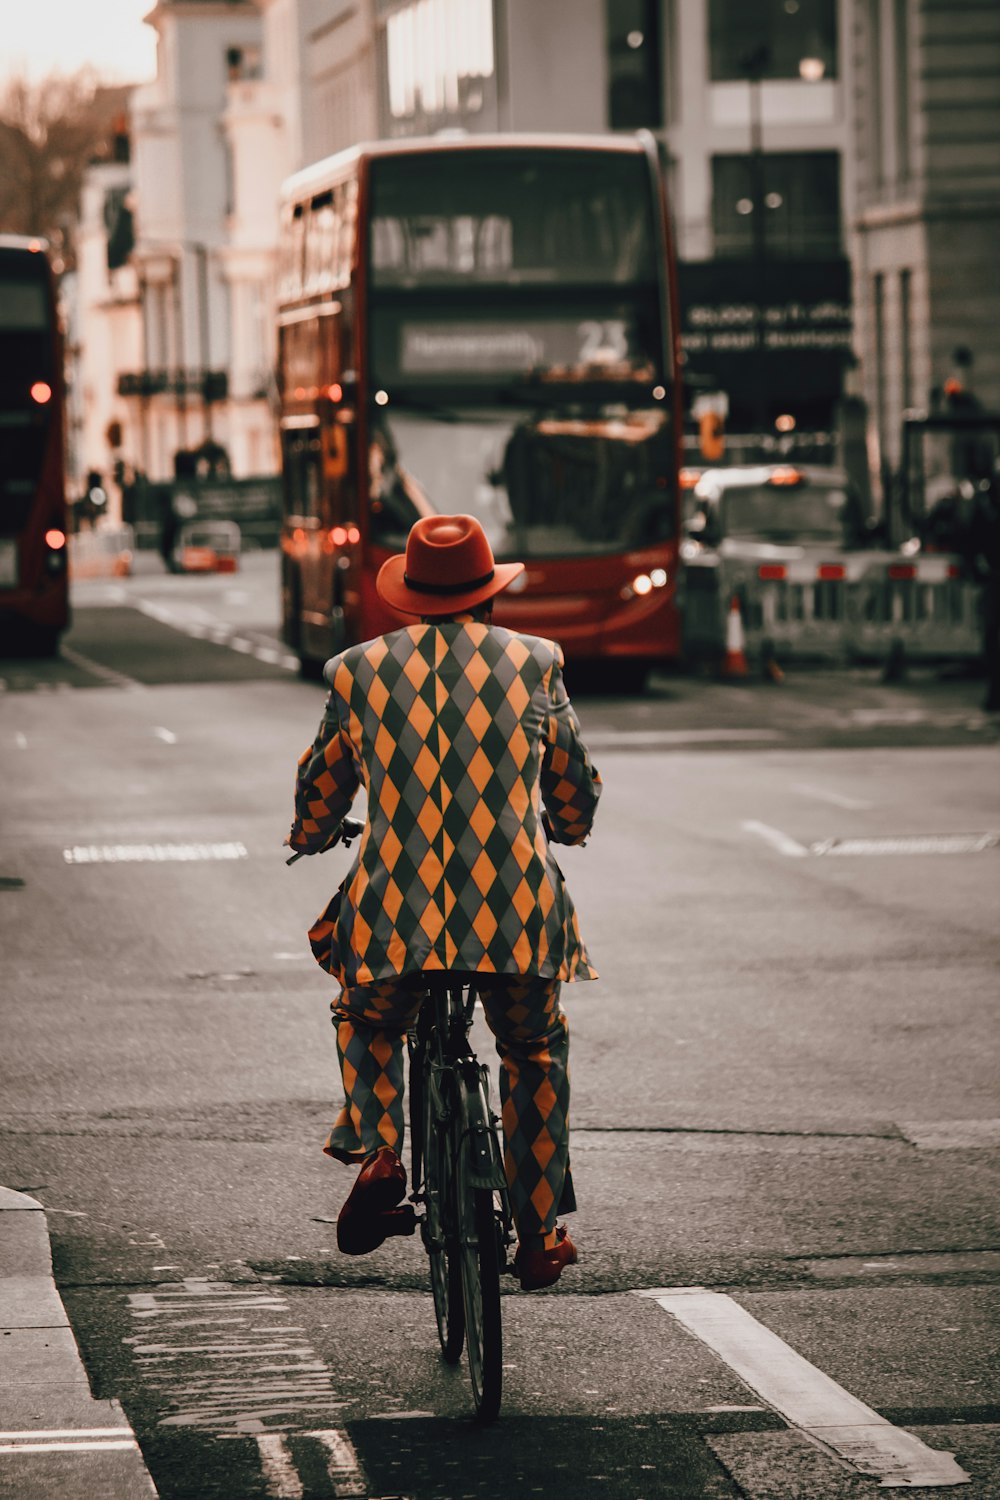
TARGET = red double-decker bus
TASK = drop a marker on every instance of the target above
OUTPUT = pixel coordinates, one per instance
(34, 587)
(484, 326)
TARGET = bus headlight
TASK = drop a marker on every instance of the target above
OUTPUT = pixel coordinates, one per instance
(645, 583)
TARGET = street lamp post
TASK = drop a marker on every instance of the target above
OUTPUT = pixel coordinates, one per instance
(755, 65)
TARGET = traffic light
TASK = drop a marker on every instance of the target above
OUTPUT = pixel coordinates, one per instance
(712, 435)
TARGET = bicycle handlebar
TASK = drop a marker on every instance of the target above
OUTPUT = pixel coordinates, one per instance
(349, 830)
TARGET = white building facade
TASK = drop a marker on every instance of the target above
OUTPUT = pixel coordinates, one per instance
(205, 138)
(108, 321)
(832, 164)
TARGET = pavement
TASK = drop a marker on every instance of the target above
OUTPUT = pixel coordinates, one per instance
(55, 1438)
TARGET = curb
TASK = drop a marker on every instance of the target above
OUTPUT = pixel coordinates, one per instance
(55, 1438)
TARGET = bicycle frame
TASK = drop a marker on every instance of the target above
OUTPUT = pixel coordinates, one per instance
(459, 1181)
(439, 1043)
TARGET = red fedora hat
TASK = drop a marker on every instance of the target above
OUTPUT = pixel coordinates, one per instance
(448, 567)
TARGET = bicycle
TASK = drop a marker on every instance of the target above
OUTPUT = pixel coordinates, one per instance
(457, 1175)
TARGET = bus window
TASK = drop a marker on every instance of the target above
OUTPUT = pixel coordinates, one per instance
(321, 246)
(293, 248)
(572, 217)
(303, 475)
(347, 213)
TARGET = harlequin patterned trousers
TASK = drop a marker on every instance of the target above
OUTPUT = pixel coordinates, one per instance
(532, 1040)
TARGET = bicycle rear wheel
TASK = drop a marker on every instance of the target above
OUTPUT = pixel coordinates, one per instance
(480, 1262)
(440, 1227)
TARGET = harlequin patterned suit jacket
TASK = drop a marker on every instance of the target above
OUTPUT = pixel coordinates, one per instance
(461, 733)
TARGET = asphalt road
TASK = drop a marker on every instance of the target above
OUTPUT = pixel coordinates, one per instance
(785, 1085)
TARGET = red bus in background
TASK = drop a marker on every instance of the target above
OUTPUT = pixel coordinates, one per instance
(484, 325)
(34, 583)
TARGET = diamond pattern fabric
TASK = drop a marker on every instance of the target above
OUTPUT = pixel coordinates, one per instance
(462, 734)
(532, 1040)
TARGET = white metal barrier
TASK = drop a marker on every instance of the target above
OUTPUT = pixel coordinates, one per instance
(860, 605)
(105, 552)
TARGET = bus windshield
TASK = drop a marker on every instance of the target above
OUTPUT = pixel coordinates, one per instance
(494, 264)
(551, 486)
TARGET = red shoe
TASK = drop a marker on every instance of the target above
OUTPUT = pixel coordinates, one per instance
(538, 1268)
(370, 1215)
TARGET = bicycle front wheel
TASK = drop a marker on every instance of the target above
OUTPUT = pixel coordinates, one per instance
(480, 1261)
(440, 1228)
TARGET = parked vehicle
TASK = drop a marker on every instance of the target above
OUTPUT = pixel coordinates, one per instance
(34, 519)
(740, 510)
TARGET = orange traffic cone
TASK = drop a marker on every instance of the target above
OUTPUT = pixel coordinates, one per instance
(735, 661)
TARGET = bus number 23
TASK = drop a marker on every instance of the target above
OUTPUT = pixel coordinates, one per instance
(602, 341)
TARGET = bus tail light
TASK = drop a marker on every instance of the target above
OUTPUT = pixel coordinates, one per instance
(645, 583)
(901, 572)
(831, 572)
(55, 556)
(772, 572)
(340, 536)
(41, 392)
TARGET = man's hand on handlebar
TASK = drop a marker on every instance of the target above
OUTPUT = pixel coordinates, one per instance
(347, 832)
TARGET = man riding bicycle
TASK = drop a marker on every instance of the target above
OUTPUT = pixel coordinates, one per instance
(470, 753)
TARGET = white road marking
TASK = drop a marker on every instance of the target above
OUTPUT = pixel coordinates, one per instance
(273, 653)
(280, 1474)
(112, 854)
(38, 1433)
(166, 735)
(953, 1135)
(911, 843)
(343, 1465)
(902, 843)
(21, 741)
(804, 1396)
(227, 1359)
(824, 794)
(67, 1447)
(982, 1263)
(106, 674)
(611, 738)
(776, 838)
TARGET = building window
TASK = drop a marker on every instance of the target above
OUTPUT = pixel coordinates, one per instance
(243, 63)
(906, 337)
(772, 39)
(800, 209)
(438, 52)
(878, 320)
(875, 143)
(635, 92)
(901, 52)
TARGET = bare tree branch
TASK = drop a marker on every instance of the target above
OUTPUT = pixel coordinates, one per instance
(50, 131)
